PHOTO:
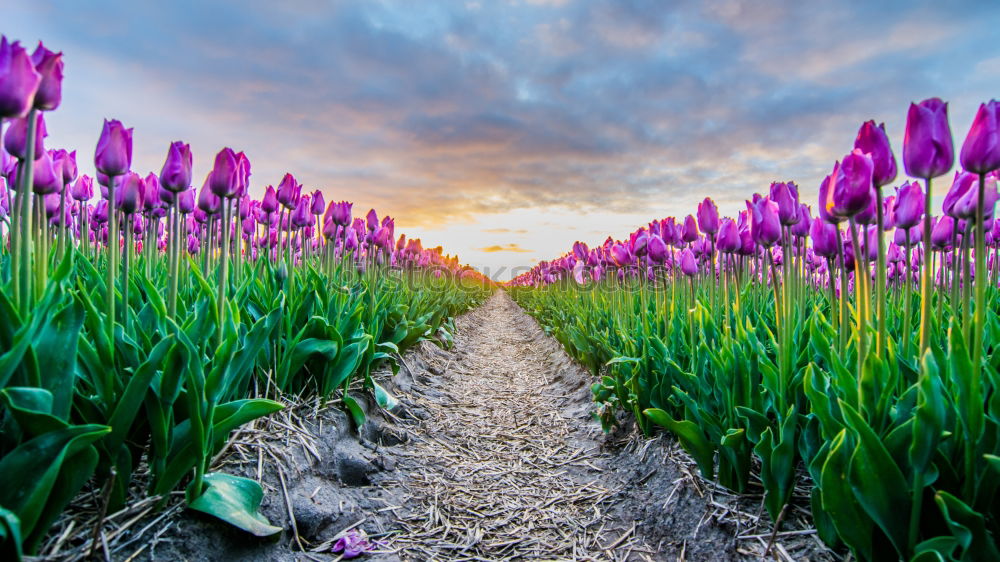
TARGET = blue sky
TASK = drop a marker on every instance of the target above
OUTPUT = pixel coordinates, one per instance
(505, 130)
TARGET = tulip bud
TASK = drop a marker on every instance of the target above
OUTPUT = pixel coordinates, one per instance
(114, 149)
(786, 196)
(981, 149)
(47, 176)
(16, 138)
(927, 145)
(208, 201)
(824, 238)
(19, 80)
(801, 228)
(873, 141)
(729, 237)
(289, 191)
(176, 172)
(688, 264)
(83, 189)
(49, 66)
(961, 184)
(151, 193)
(965, 206)
(708, 216)
(185, 201)
(318, 204)
(852, 186)
(690, 232)
(223, 181)
(129, 197)
(909, 206)
(765, 226)
(943, 232)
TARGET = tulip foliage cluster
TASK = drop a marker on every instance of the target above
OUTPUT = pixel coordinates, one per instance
(851, 349)
(138, 331)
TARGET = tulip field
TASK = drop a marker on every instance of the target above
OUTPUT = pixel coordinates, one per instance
(850, 352)
(140, 329)
(831, 356)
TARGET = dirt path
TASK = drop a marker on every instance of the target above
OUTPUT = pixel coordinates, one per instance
(491, 455)
(505, 468)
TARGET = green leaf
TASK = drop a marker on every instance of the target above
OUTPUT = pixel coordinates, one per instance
(691, 438)
(878, 483)
(353, 408)
(32, 409)
(10, 535)
(236, 501)
(968, 527)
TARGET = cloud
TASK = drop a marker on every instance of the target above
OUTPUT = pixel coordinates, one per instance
(505, 248)
(458, 111)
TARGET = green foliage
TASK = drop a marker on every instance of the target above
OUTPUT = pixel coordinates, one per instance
(902, 453)
(79, 404)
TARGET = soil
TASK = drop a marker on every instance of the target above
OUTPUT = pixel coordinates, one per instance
(492, 454)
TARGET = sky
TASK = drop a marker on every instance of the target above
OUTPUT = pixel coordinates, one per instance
(505, 130)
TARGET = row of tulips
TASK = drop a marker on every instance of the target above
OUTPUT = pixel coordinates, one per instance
(852, 349)
(141, 329)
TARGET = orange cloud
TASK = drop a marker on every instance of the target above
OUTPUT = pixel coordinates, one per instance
(505, 248)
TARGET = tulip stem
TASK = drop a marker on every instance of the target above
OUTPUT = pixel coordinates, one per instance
(27, 181)
(174, 257)
(925, 283)
(907, 291)
(126, 268)
(880, 275)
(981, 277)
(112, 247)
(223, 271)
(860, 296)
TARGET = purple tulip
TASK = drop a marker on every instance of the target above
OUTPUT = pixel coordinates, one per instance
(114, 149)
(49, 66)
(801, 227)
(242, 174)
(176, 172)
(909, 205)
(151, 192)
(129, 197)
(269, 203)
(826, 203)
(351, 242)
(371, 220)
(656, 248)
(689, 266)
(899, 237)
(289, 192)
(943, 232)
(873, 141)
(852, 186)
(867, 215)
(301, 216)
(690, 232)
(708, 216)
(48, 176)
(981, 149)
(83, 189)
(729, 237)
(342, 213)
(961, 184)
(786, 196)
(318, 203)
(927, 144)
(208, 201)
(580, 250)
(15, 140)
(824, 238)
(194, 245)
(621, 255)
(19, 80)
(765, 228)
(224, 179)
(965, 206)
